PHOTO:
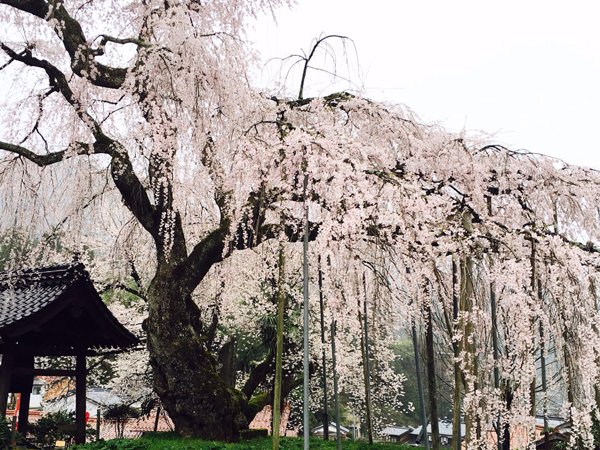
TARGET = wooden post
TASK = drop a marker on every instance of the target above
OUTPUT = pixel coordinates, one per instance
(367, 369)
(98, 416)
(13, 433)
(6, 369)
(24, 408)
(432, 391)
(157, 418)
(338, 433)
(279, 351)
(456, 432)
(306, 426)
(80, 386)
(496, 369)
(420, 387)
(543, 362)
(325, 406)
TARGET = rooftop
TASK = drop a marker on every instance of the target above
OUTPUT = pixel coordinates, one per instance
(57, 307)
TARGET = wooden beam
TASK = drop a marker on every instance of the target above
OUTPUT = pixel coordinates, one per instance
(48, 350)
(45, 372)
(80, 387)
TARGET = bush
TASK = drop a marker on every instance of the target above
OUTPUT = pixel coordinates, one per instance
(5, 433)
(253, 434)
(45, 431)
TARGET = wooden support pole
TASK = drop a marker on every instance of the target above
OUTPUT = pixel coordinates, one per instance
(306, 426)
(13, 433)
(6, 370)
(80, 394)
(456, 432)
(157, 418)
(324, 369)
(24, 408)
(98, 416)
(338, 433)
(496, 363)
(420, 388)
(279, 351)
(367, 368)
(543, 362)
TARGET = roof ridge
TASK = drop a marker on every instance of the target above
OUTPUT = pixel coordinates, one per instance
(24, 277)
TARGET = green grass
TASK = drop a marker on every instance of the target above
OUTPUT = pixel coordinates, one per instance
(170, 441)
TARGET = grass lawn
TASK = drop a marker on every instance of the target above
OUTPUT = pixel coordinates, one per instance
(170, 441)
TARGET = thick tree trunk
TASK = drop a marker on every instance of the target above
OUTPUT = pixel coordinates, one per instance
(185, 374)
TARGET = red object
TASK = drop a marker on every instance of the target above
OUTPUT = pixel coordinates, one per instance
(87, 416)
(17, 411)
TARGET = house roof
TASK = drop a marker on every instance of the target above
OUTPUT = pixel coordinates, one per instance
(445, 428)
(95, 398)
(553, 422)
(394, 430)
(58, 307)
(332, 427)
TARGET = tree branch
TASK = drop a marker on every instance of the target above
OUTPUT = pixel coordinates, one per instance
(207, 252)
(71, 34)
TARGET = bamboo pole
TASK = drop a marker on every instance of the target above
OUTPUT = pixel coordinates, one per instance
(338, 433)
(495, 345)
(456, 431)
(367, 369)
(420, 387)
(324, 371)
(279, 352)
(305, 321)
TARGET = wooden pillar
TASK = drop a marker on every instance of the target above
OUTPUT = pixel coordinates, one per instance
(24, 407)
(6, 369)
(80, 388)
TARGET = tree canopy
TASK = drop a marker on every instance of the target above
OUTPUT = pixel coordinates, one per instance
(132, 128)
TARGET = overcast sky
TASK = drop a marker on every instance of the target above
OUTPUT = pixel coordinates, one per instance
(527, 71)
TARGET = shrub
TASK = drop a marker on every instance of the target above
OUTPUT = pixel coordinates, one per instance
(5, 433)
(253, 434)
(119, 415)
(45, 431)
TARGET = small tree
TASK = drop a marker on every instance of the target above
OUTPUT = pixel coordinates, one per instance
(119, 415)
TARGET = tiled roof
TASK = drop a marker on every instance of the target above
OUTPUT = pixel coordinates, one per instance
(23, 293)
(58, 306)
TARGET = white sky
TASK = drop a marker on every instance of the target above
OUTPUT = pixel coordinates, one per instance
(528, 70)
